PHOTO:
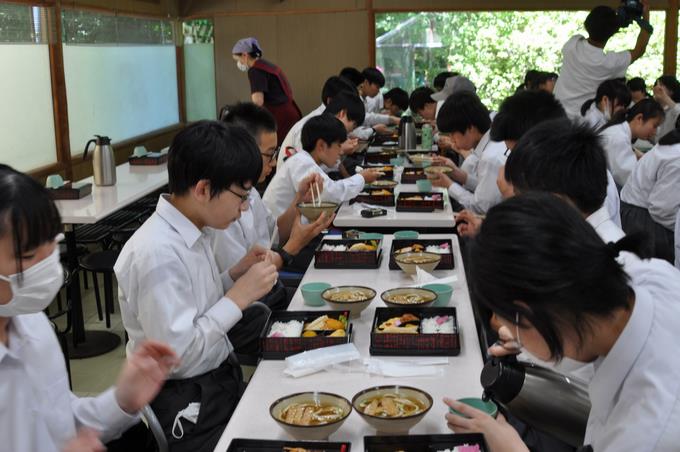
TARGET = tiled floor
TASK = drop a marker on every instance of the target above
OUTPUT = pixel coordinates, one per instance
(93, 375)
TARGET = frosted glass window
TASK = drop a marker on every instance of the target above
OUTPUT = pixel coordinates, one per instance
(199, 64)
(27, 141)
(120, 91)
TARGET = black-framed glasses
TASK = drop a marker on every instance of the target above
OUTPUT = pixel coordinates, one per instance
(244, 197)
(273, 156)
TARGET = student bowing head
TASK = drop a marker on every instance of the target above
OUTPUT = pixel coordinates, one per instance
(212, 167)
(322, 137)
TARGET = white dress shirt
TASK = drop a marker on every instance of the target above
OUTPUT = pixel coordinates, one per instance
(492, 156)
(594, 117)
(584, 67)
(617, 144)
(171, 289)
(612, 201)
(677, 240)
(294, 137)
(655, 184)
(39, 411)
(284, 185)
(635, 393)
(373, 106)
(256, 226)
(669, 121)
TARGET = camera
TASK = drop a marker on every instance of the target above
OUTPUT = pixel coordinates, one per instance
(631, 11)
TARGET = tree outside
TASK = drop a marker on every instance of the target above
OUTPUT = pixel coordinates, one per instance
(493, 49)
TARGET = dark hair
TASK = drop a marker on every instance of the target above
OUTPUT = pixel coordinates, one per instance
(538, 79)
(353, 75)
(351, 103)
(324, 127)
(564, 157)
(334, 85)
(398, 96)
(536, 249)
(648, 108)
(419, 98)
(462, 110)
(27, 210)
(637, 84)
(253, 118)
(617, 92)
(441, 78)
(221, 153)
(672, 84)
(373, 75)
(602, 23)
(522, 111)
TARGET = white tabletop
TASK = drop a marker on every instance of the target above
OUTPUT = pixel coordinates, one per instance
(132, 183)
(460, 377)
(350, 215)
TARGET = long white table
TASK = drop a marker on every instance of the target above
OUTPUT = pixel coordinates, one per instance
(460, 377)
(349, 215)
(132, 184)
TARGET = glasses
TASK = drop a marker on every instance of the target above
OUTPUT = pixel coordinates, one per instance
(244, 197)
(272, 156)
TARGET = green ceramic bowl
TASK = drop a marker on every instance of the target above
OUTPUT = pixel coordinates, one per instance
(370, 236)
(424, 185)
(311, 293)
(406, 235)
(443, 291)
(489, 407)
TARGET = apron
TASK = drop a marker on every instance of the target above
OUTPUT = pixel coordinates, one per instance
(287, 113)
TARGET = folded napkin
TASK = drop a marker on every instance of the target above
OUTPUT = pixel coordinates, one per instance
(313, 361)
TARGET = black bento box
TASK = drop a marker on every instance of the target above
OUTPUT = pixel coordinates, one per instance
(414, 205)
(283, 347)
(423, 443)
(378, 200)
(264, 445)
(405, 344)
(447, 262)
(348, 259)
(380, 158)
(412, 175)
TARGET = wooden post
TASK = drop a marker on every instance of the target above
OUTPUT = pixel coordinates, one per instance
(371, 33)
(670, 50)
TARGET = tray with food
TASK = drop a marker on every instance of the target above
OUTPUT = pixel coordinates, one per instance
(376, 196)
(412, 175)
(414, 331)
(386, 172)
(459, 442)
(419, 202)
(362, 254)
(379, 184)
(265, 445)
(443, 247)
(289, 332)
(382, 157)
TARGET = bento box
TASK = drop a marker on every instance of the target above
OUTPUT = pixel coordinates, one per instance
(377, 196)
(265, 445)
(420, 202)
(415, 332)
(289, 332)
(382, 157)
(412, 175)
(443, 247)
(426, 443)
(348, 253)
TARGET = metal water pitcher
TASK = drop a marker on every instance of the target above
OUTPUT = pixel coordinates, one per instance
(103, 161)
(407, 133)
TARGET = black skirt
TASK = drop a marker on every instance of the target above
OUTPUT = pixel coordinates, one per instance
(660, 241)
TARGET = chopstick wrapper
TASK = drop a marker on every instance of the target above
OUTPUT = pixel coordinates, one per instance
(313, 361)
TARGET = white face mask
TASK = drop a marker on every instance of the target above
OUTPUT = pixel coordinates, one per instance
(241, 66)
(38, 288)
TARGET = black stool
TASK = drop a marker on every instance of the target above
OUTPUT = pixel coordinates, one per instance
(102, 262)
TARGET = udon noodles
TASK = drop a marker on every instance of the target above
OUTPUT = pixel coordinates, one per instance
(391, 406)
(417, 259)
(311, 414)
(407, 298)
(348, 295)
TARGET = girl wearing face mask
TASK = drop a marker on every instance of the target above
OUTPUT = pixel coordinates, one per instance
(640, 122)
(561, 293)
(269, 86)
(612, 96)
(39, 412)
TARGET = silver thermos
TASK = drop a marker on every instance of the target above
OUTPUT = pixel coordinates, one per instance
(103, 161)
(546, 400)
(407, 133)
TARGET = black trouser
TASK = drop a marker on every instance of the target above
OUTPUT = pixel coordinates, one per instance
(660, 241)
(218, 392)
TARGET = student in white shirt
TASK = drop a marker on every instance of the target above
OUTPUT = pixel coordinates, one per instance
(39, 411)
(421, 103)
(171, 287)
(667, 93)
(466, 121)
(585, 64)
(369, 90)
(331, 88)
(612, 96)
(650, 199)
(638, 123)
(677, 240)
(257, 227)
(321, 138)
(559, 288)
(395, 102)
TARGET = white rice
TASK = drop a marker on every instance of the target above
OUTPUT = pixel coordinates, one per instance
(432, 326)
(292, 328)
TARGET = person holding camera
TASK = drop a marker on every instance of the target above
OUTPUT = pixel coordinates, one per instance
(585, 63)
